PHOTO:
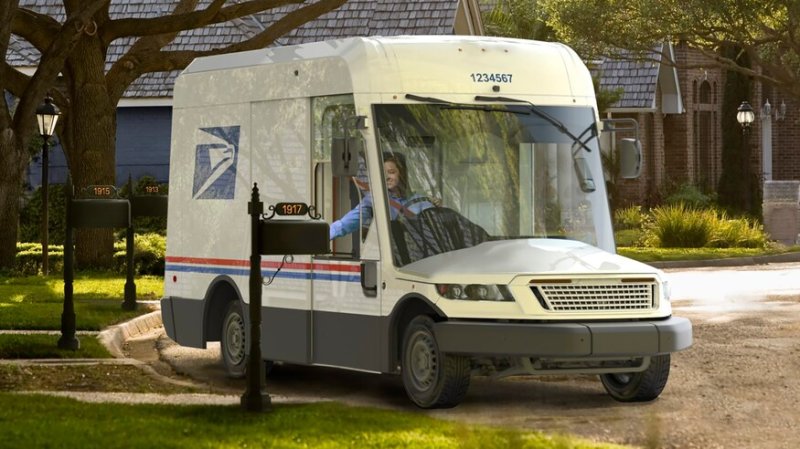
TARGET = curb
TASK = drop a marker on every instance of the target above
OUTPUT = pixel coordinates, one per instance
(115, 336)
(729, 262)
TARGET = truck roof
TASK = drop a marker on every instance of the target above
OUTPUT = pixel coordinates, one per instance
(423, 65)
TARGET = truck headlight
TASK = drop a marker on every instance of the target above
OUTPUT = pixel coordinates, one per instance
(475, 292)
(666, 292)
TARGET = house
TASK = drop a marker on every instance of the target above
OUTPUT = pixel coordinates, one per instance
(144, 113)
(650, 94)
(678, 107)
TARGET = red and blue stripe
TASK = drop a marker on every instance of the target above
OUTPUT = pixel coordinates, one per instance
(321, 271)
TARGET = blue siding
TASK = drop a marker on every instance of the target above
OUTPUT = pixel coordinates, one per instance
(143, 136)
(58, 166)
(143, 139)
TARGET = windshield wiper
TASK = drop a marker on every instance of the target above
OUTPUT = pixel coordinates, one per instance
(460, 106)
(538, 111)
(428, 99)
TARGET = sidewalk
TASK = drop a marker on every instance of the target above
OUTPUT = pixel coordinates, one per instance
(142, 329)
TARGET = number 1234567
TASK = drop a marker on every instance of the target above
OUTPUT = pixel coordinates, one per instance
(491, 77)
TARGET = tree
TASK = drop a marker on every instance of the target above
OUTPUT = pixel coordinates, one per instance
(739, 187)
(767, 31)
(523, 19)
(87, 91)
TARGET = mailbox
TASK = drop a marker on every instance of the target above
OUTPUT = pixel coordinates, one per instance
(100, 213)
(278, 237)
(149, 206)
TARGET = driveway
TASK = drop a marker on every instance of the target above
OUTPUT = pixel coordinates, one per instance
(737, 387)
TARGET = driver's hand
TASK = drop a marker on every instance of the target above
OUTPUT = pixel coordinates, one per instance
(436, 201)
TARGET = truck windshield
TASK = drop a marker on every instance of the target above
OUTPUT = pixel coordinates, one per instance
(477, 172)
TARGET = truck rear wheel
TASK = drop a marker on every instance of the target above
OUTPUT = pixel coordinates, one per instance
(639, 387)
(233, 343)
(432, 379)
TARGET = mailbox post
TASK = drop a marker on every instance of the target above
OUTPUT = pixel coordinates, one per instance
(274, 237)
(98, 207)
(153, 204)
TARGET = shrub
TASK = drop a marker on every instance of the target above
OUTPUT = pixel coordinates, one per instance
(690, 196)
(148, 257)
(30, 216)
(631, 217)
(679, 226)
(737, 233)
(28, 260)
(628, 237)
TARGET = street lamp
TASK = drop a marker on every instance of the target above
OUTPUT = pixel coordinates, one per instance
(46, 116)
(745, 115)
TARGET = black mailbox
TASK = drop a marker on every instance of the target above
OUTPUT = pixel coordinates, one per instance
(278, 237)
(149, 206)
(100, 213)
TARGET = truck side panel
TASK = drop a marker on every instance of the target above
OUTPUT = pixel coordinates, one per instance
(282, 169)
(209, 190)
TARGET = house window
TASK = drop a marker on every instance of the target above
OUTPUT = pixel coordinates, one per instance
(705, 93)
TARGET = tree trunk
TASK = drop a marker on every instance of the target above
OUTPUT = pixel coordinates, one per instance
(13, 161)
(91, 148)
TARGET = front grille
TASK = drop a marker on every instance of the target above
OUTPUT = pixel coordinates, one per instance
(594, 297)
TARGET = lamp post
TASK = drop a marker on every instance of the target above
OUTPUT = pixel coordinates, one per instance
(46, 117)
(745, 115)
(766, 140)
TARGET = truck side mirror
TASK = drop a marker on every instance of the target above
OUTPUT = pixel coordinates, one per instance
(630, 158)
(344, 155)
(584, 174)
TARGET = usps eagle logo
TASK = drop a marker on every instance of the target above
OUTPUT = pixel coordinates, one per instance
(215, 164)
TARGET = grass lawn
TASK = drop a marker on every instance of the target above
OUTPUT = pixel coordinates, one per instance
(43, 421)
(80, 377)
(39, 346)
(667, 254)
(36, 302)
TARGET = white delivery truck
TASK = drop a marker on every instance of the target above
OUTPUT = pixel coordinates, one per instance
(505, 266)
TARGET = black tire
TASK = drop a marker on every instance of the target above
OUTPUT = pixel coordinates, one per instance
(431, 378)
(233, 343)
(639, 387)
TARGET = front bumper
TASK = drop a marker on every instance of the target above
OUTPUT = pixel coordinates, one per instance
(592, 340)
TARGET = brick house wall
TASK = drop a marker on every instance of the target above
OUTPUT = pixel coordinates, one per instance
(687, 148)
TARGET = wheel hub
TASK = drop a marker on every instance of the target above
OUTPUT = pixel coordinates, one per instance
(235, 339)
(424, 363)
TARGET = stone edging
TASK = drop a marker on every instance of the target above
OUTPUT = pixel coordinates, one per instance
(115, 336)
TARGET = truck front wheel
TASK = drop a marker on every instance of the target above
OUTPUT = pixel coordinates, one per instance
(432, 379)
(639, 387)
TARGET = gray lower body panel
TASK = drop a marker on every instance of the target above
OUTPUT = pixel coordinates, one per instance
(285, 334)
(617, 339)
(183, 320)
(350, 340)
(339, 339)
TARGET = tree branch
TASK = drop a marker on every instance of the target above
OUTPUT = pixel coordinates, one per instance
(38, 29)
(136, 63)
(51, 63)
(174, 23)
(7, 11)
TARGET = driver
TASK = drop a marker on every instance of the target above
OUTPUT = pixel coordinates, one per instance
(400, 201)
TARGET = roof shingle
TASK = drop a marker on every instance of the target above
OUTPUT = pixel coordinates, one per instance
(354, 18)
